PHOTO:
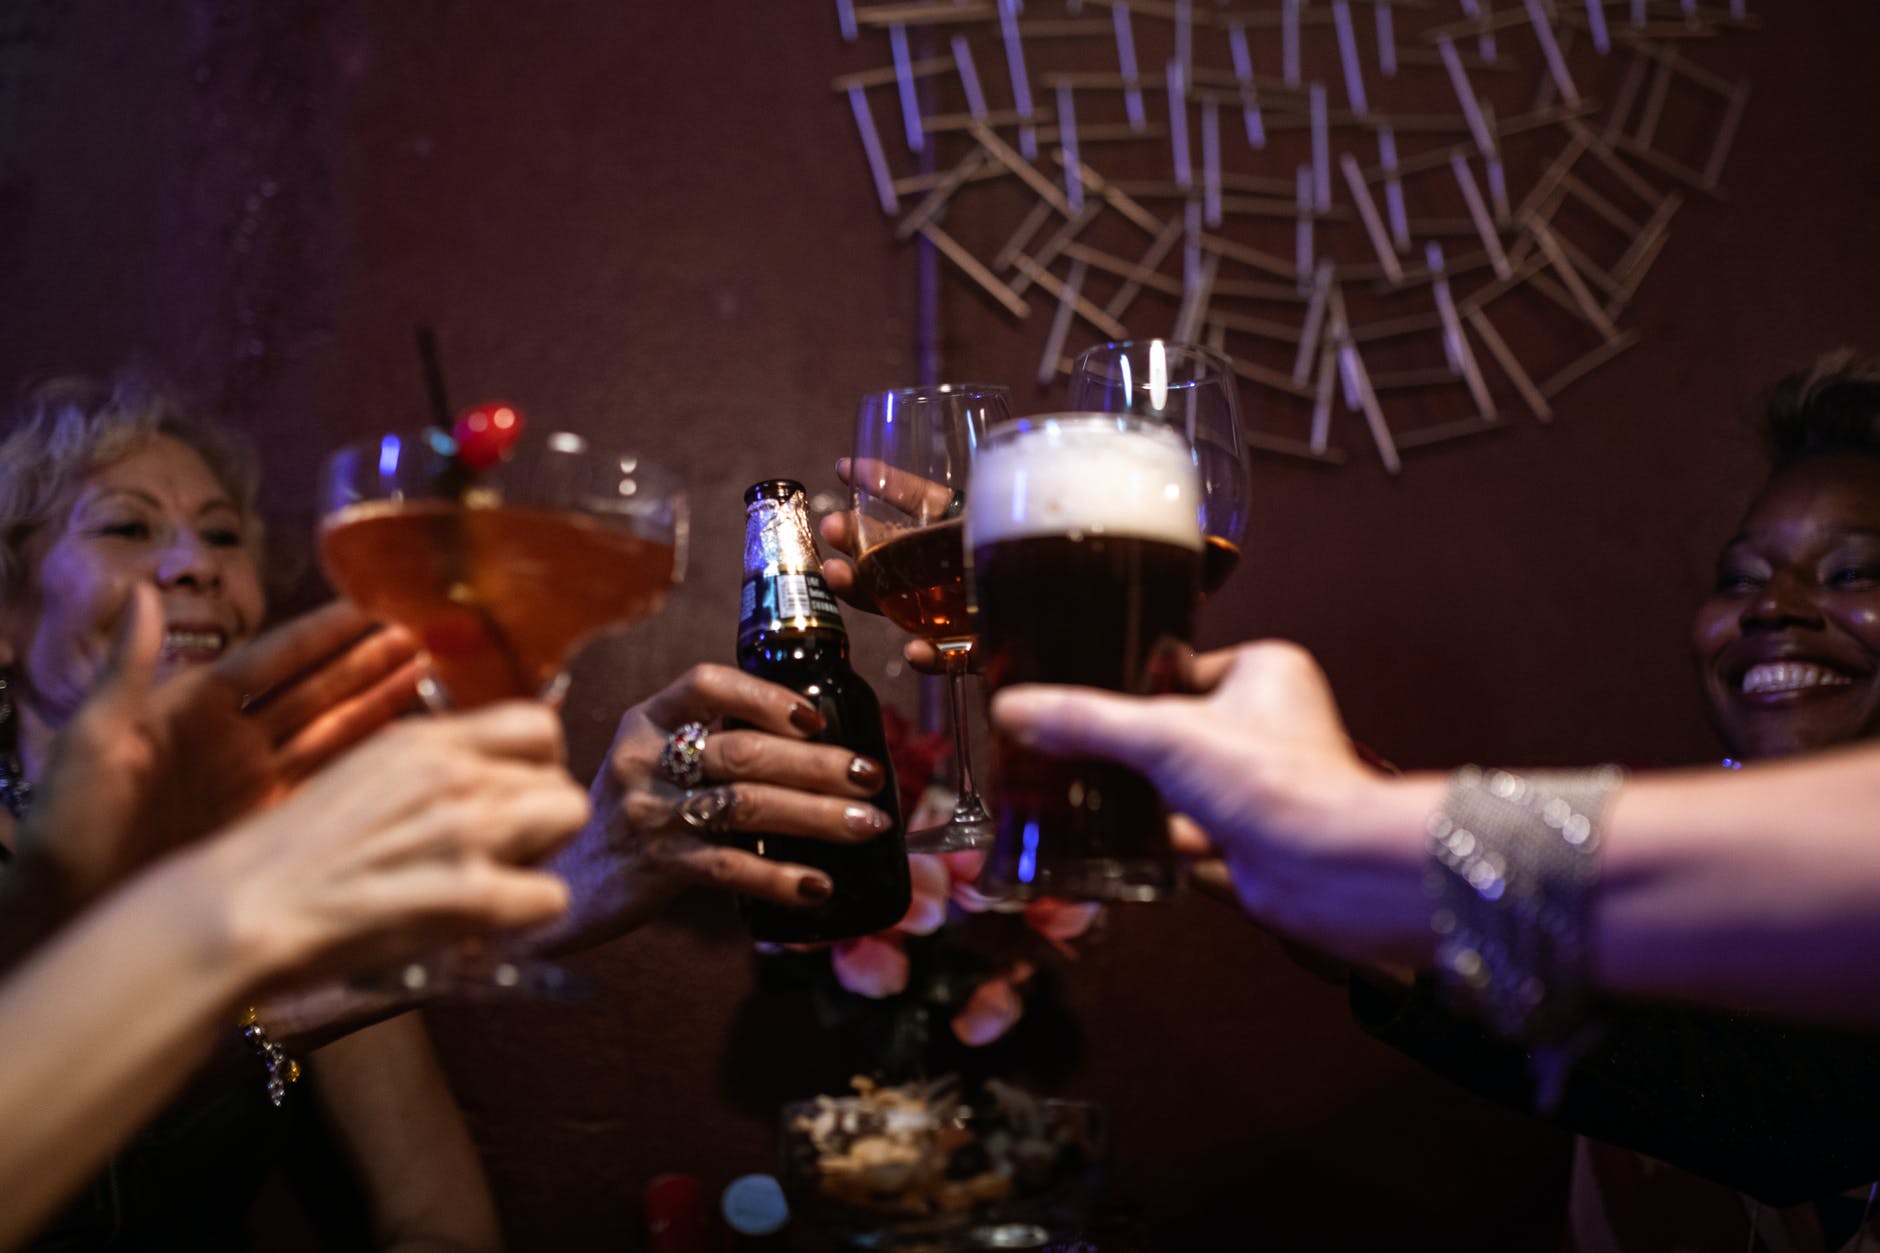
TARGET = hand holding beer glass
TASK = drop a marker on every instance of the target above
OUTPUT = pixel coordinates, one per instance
(1086, 553)
(914, 448)
(1193, 389)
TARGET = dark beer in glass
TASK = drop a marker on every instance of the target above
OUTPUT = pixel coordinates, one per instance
(1086, 555)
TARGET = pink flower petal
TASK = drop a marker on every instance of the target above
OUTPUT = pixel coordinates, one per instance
(873, 965)
(988, 1013)
(973, 901)
(927, 910)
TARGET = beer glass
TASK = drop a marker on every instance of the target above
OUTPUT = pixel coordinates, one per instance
(1193, 389)
(501, 573)
(913, 450)
(1085, 549)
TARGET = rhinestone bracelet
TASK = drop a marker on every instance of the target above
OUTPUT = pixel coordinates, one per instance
(282, 1069)
(1513, 860)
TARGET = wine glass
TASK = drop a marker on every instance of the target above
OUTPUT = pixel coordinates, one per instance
(501, 572)
(1192, 388)
(913, 451)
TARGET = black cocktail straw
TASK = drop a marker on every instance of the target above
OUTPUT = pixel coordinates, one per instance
(433, 375)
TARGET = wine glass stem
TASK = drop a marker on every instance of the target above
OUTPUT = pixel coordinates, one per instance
(958, 658)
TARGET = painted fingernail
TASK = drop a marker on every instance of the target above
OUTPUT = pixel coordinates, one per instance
(807, 718)
(815, 888)
(864, 820)
(865, 772)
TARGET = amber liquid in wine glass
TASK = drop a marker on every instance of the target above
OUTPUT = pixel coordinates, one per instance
(501, 579)
(913, 459)
(499, 595)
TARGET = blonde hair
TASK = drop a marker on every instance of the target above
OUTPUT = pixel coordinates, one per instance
(69, 428)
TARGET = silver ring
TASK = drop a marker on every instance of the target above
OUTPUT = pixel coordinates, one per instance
(682, 760)
(709, 810)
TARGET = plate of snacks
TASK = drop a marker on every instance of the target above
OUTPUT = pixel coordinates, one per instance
(924, 1165)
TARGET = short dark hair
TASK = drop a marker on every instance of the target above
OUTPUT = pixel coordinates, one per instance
(1831, 407)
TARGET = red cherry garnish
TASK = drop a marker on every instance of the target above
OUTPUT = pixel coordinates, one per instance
(485, 432)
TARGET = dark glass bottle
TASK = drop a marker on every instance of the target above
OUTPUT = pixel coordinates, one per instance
(790, 631)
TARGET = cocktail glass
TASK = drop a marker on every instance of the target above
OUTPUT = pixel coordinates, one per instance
(501, 573)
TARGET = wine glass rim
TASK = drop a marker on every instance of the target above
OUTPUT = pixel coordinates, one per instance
(1177, 347)
(562, 441)
(937, 391)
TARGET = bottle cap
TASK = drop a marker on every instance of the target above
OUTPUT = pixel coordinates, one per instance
(753, 1205)
(774, 489)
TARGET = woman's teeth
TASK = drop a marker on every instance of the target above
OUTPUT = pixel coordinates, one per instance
(1790, 676)
(193, 641)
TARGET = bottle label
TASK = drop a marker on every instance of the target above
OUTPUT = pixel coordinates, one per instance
(797, 599)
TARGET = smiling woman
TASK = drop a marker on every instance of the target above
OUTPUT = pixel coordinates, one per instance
(102, 488)
(105, 488)
(1789, 639)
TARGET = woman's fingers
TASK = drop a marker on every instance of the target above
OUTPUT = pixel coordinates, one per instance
(922, 500)
(273, 658)
(523, 729)
(477, 895)
(331, 733)
(1080, 722)
(734, 870)
(1212, 878)
(838, 530)
(829, 768)
(771, 810)
(707, 692)
(1188, 838)
(924, 657)
(358, 667)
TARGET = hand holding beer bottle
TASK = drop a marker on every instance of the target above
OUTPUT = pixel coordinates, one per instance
(791, 633)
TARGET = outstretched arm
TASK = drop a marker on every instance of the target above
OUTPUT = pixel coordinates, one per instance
(1758, 889)
(419, 838)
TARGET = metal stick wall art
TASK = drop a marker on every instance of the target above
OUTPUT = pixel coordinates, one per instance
(1424, 215)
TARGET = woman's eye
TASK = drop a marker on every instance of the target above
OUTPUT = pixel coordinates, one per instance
(1736, 582)
(1854, 578)
(126, 528)
(222, 537)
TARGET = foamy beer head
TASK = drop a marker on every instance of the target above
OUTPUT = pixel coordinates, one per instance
(1085, 474)
(1085, 548)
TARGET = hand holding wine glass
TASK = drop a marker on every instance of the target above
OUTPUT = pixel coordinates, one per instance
(914, 450)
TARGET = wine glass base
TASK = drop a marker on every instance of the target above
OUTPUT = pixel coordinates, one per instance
(1083, 879)
(951, 837)
(969, 828)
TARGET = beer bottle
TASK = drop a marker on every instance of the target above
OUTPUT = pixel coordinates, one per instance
(790, 632)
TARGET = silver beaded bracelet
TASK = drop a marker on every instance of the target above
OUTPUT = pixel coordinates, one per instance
(1513, 860)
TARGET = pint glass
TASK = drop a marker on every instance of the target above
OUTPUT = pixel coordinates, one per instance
(1083, 534)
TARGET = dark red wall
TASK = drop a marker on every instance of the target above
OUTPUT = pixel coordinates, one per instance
(651, 221)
